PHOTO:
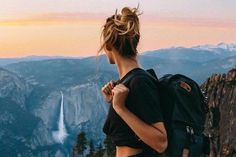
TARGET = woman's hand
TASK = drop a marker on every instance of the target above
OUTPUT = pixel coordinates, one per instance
(120, 93)
(106, 91)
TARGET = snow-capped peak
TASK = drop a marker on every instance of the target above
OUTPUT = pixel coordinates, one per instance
(210, 47)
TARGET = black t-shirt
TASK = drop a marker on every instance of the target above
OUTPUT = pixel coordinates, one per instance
(143, 101)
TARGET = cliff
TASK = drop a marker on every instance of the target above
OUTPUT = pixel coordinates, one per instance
(221, 123)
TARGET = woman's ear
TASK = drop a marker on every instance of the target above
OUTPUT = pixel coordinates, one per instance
(108, 47)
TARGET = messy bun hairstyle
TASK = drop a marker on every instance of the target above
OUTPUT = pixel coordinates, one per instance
(122, 32)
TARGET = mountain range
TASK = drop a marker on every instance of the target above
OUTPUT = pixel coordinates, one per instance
(32, 104)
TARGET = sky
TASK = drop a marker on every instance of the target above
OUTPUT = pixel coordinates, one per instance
(73, 27)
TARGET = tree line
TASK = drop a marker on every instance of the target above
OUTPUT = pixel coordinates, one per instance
(105, 149)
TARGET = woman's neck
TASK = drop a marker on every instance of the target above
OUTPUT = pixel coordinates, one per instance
(124, 65)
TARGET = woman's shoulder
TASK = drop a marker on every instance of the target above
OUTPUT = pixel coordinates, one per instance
(143, 80)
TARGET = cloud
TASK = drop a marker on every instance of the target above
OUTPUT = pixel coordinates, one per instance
(189, 21)
(81, 17)
(53, 18)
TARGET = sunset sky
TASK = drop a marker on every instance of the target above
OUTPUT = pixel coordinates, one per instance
(73, 27)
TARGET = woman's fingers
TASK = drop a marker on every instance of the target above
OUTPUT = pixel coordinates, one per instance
(118, 89)
(111, 85)
(108, 87)
(121, 87)
(106, 91)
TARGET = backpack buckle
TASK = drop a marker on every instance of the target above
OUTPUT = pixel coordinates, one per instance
(190, 134)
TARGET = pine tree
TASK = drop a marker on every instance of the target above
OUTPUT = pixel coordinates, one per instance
(100, 151)
(91, 149)
(109, 146)
(81, 144)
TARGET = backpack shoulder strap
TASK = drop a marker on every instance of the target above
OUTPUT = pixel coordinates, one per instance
(149, 72)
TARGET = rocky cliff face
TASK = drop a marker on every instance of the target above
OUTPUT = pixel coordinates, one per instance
(13, 87)
(30, 115)
(221, 124)
(21, 132)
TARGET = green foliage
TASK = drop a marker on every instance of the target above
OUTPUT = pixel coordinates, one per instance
(109, 149)
(81, 144)
(109, 146)
(100, 151)
(91, 149)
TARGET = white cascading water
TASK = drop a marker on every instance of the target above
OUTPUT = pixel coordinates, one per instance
(61, 133)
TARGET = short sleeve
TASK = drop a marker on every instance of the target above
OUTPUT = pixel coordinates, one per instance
(145, 99)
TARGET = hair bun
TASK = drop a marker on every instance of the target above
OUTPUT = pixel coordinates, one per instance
(129, 14)
(126, 11)
(122, 31)
(127, 22)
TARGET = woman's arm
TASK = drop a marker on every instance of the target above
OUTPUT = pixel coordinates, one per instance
(153, 135)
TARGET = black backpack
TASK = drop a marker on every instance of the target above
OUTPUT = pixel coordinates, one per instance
(184, 108)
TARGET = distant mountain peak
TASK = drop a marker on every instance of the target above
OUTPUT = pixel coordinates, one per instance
(211, 47)
(207, 47)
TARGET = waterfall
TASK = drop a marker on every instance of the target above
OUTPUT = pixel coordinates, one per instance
(61, 133)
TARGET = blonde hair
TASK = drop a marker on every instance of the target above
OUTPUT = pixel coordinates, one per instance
(121, 31)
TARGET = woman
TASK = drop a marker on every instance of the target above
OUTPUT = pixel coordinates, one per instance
(134, 121)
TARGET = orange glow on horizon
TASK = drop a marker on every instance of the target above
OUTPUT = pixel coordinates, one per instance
(75, 34)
